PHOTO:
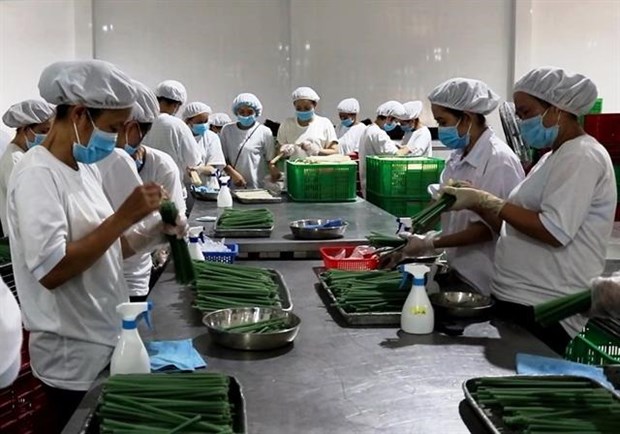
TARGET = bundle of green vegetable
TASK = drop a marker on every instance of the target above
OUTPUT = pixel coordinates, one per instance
(245, 219)
(166, 403)
(5, 251)
(560, 308)
(378, 239)
(549, 405)
(266, 326)
(426, 219)
(366, 291)
(183, 269)
(222, 286)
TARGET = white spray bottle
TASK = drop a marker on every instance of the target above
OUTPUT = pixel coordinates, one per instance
(130, 356)
(224, 198)
(417, 316)
(195, 243)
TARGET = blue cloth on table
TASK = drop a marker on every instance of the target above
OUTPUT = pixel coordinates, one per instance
(174, 355)
(529, 364)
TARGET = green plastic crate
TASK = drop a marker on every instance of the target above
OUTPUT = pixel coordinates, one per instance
(402, 177)
(594, 346)
(321, 182)
(396, 206)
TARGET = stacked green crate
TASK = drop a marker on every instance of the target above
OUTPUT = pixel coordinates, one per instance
(321, 182)
(399, 184)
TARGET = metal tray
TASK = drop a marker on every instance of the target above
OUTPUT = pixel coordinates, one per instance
(235, 395)
(274, 199)
(359, 319)
(494, 422)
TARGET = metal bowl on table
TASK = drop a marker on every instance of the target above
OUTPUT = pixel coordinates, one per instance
(217, 322)
(307, 229)
(460, 304)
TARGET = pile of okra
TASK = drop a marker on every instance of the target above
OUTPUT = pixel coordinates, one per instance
(223, 286)
(549, 405)
(166, 403)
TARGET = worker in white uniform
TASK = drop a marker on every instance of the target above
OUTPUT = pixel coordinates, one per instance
(481, 159)
(67, 244)
(171, 135)
(307, 134)
(196, 116)
(120, 178)
(417, 136)
(217, 122)
(554, 227)
(32, 120)
(375, 140)
(349, 131)
(248, 145)
(10, 336)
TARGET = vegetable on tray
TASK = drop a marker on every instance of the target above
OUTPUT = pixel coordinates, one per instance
(560, 308)
(183, 269)
(166, 403)
(549, 405)
(245, 219)
(366, 291)
(222, 286)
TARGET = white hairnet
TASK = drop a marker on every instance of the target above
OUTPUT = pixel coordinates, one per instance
(413, 109)
(92, 83)
(31, 111)
(173, 90)
(574, 93)
(393, 109)
(349, 105)
(195, 109)
(465, 94)
(305, 93)
(219, 119)
(248, 99)
(146, 108)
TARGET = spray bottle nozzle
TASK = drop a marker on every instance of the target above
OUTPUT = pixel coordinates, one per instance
(416, 271)
(196, 233)
(132, 313)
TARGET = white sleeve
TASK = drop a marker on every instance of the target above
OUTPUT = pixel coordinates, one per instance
(575, 176)
(120, 179)
(172, 183)
(225, 142)
(215, 155)
(385, 145)
(10, 337)
(269, 146)
(331, 133)
(283, 133)
(188, 148)
(418, 143)
(42, 223)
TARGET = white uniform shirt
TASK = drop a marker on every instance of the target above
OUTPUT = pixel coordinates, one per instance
(73, 328)
(120, 178)
(349, 137)
(320, 132)
(490, 166)
(10, 336)
(11, 155)
(574, 191)
(253, 160)
(159, 167)
(172, 136)
(418, 142)
(375, 141)
(210, 148)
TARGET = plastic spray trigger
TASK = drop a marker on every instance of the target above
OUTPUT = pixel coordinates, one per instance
(405, 280)
(146, 315)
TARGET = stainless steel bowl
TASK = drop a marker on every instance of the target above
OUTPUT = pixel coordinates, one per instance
(458, 304)
(299, 230)
(219, 320)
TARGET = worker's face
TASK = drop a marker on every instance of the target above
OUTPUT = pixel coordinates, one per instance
(527, 107)
(132, 135)
(42, 128)
(344, 116)
(245, 110)
(304, 105)
(445, 118)
(201, 118)
(405, 124)
(109, 121)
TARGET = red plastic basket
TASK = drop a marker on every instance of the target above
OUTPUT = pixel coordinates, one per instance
(329, 259)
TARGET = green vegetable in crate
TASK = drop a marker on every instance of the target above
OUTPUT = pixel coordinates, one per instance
(221, 286)
(246, 219)
(184, 272)
(167, 403)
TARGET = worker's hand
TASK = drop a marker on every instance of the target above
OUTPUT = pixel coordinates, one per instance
(179, 229)
(272, 186)
(275, 174)
(141, 202)
(473, 199)
(146, 235)
(238, 179)
(419, 245)
(310, 148)
(605, 297)
(205, 170)
(287, 150)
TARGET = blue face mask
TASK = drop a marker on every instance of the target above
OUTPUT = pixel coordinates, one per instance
(199, 129)
(130, 149)
(38, 139)
(451, 139)
(139, 164)
(346, 122)
(305, 116)
(100, 145)
(246, 121)
(536, 135)
(406, 128)
(389, 127)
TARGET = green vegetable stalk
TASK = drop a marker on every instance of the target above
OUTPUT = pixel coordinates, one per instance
(560, 308)
(246, 219)
(184, 271)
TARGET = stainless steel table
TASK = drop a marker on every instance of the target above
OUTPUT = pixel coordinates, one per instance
(362, 216)
(347, 380)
